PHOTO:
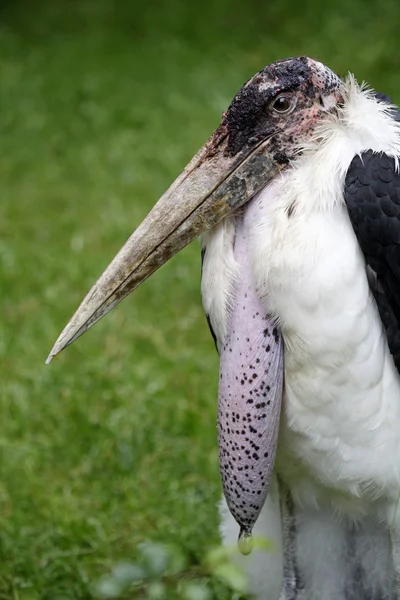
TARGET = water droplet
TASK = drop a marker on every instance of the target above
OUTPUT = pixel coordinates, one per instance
(245, 542)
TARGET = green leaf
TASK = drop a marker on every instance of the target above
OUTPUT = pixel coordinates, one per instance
(178, 561)
(194, 591)
(154, 558)
(218, 555)
(108, 588)
(126, 573)
(232, 575)
(263, 544)
(156, 591)
(223, 554)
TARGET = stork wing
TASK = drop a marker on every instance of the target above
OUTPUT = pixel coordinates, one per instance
(372, 195)
(208, 317)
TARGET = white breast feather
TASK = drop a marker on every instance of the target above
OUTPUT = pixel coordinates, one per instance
(342, 412)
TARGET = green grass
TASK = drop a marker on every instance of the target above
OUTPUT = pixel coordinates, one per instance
(101, 105)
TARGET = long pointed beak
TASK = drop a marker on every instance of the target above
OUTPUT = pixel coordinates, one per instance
(213, 184)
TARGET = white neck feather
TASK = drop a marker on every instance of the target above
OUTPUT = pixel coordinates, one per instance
(362, 123)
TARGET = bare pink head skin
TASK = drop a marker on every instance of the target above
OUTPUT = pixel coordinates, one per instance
(310, 90)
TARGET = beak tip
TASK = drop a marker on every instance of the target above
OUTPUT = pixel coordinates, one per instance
(68, 335)
(49, 358)
(56, 349)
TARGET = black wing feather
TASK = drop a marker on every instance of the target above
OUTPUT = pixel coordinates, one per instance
(372, 195)
(203, 253)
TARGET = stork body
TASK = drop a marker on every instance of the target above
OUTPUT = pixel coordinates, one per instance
(298, 192)
(339, 444)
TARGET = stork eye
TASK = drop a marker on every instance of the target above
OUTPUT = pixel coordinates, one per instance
(283, 104)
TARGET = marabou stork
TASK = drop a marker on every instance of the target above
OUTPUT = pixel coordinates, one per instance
(297, 195)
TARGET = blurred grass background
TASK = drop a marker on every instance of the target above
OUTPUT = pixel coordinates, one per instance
(102, 103)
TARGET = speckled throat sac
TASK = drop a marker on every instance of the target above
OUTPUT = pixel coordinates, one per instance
(249, 400)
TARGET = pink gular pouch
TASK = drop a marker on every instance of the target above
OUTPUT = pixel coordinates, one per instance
(249, 398)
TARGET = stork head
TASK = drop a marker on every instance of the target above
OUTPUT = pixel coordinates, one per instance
(284, 103)
(262, 131)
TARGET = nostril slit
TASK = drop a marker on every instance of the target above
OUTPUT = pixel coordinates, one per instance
(321, 101)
